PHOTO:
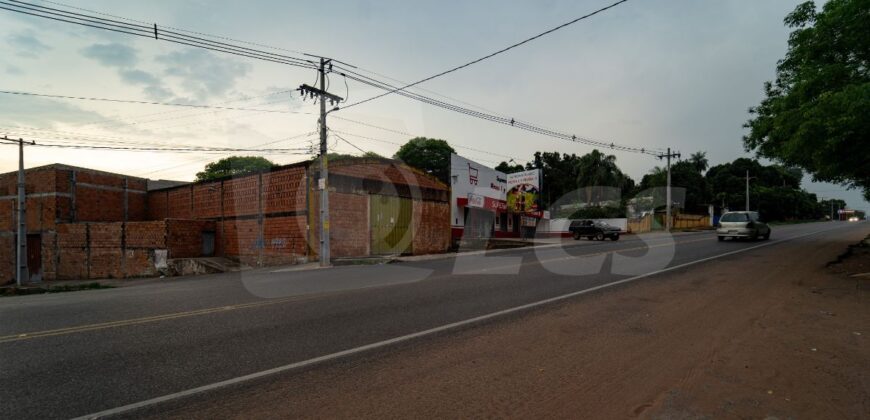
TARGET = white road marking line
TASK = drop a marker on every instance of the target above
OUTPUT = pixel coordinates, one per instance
(400, 339)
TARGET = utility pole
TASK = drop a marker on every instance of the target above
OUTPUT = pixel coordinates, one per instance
(322, 183)
(21, 274)
(668, 156)
(747, 190)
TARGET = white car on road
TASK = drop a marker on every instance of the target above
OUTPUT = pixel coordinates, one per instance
(742, 224)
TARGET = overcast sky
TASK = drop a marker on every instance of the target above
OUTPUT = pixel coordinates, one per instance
(677, 74)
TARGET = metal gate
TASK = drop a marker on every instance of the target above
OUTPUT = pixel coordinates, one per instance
(390, 222)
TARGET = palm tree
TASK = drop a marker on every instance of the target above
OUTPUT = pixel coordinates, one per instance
(699, 161)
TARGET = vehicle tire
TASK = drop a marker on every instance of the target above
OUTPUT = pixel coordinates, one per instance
(614, 237)
(754, 236)
(576, 236)
(721, 238)
(599, 236)
(767, 235)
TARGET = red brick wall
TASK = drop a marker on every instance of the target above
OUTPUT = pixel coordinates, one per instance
(240, 238)
(105, 255)
(7, 258)
(146, 234)
(184, 237)
(284, 190)
(348, 225)
(178, 206)
(284, 239)
(157, 205)
(431, 227)
(207, 200)
(72, 251)
(104, 250)
(241, 196)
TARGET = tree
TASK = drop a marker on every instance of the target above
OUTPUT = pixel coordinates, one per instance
(508, 168)
(559, 174)
(684, 174)
(596, 169)
(234, 166)
(429, 155)
(815, 113)
(699, 161)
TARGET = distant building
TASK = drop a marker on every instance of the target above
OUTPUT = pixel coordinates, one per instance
(486, 203)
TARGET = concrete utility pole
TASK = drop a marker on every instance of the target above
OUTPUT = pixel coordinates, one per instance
(322, 183)
(747, 190)
(669, 155)
(22, 275)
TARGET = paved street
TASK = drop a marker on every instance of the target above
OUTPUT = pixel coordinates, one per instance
(74, 354)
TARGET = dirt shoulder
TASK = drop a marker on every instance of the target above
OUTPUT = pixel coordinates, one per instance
(776, 335)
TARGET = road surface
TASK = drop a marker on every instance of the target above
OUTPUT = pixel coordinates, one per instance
(75, 354)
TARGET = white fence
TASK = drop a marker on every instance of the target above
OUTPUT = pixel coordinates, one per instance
(559, 227)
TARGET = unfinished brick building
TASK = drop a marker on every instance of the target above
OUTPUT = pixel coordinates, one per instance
(84, 223)
(377, 207)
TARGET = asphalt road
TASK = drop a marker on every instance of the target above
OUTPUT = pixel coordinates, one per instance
(73, 354)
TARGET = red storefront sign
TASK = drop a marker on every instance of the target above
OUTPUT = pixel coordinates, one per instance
(481, 202)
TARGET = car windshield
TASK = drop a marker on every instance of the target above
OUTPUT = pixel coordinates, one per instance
(735, 217)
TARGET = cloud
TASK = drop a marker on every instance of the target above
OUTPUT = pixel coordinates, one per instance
(137, 77)
(111, 55)
(158, 92)
(13, 70)
(203, 74)
(26, 44)
(44, 113)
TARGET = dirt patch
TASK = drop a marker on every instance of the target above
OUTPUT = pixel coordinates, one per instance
(771, 333)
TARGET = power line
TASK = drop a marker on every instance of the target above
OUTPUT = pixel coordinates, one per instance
(243, 51)
(159, 149)
(475, 61)
(348, 142)
(500, 120)
(306, 135)
(128, 101)
(149, 32)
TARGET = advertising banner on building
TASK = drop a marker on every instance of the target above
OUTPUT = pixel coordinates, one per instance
(475, 186)
(524, 192)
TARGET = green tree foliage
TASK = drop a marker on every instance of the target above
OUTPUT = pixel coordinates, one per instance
(815, 114)
(508, 168)
(774, 190)
(699, 161)
(684, 174)
(596, 169)
(559, 174)
(234, 166)
(429, 155)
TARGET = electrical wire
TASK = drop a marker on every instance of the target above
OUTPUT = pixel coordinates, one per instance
(128, 101)
(295, 61)
(493, 54)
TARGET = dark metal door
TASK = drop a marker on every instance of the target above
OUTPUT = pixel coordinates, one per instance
(207, 244)
(34, 256)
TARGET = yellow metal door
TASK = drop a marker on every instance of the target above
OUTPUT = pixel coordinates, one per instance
(390, 221)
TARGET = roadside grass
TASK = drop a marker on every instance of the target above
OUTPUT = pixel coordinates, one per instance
(36, 290)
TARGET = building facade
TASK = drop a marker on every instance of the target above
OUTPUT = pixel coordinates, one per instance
(486, 203)
(84, 223)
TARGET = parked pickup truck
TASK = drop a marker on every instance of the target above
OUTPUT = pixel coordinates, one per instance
(593, 230)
